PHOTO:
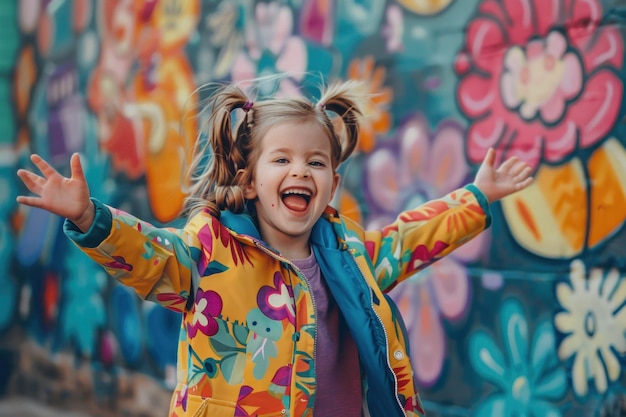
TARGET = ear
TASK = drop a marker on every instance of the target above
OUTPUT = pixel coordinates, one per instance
(249, 191)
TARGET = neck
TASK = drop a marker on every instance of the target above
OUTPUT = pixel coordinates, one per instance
(291, 252)
(291, 247)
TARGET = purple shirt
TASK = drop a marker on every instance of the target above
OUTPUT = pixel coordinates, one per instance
(336, 359)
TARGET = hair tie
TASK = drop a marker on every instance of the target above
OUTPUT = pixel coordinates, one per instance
(247, 106)
(322, 105)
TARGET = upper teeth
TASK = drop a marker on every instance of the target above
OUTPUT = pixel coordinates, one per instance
(300, 192)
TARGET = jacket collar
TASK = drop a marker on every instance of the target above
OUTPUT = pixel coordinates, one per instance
(323, 233)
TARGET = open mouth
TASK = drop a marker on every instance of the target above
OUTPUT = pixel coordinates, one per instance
(296, 200)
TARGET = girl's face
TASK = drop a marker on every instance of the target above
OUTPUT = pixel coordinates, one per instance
(293, 182)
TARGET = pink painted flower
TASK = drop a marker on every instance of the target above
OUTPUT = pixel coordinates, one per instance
(539, 78)
(271, 49)
(208, 307)
(415, 166)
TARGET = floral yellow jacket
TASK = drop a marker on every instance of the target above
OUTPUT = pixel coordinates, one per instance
(247, 340)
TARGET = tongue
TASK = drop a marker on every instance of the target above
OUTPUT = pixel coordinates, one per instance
(295, 202)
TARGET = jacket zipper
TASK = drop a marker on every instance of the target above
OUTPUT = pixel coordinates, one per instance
(382, 325)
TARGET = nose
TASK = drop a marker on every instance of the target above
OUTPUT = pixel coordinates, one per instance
(300, 170)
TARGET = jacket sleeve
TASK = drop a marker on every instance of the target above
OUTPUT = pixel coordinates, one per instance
(425, 234)
(159, 263)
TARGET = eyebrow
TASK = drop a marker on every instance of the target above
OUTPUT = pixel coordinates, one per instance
(288, 150)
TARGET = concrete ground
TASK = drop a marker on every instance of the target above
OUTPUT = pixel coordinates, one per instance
(25, 407)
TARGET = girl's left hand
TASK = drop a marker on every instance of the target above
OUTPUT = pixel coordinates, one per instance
(511, 176)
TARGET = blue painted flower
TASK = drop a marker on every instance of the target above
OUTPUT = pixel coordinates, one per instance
(528, 382)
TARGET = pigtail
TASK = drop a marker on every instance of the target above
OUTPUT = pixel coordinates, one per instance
(341, 99)
(217, 183)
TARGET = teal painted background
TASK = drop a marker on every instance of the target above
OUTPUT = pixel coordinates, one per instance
(527, 320)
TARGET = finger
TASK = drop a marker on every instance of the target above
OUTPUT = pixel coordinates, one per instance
(508, 164)
(30, 201)
(518, 168)
(32, 181)
(76, 168)
(490, 157)
(524, 174)
(43, 166)
(525, 183)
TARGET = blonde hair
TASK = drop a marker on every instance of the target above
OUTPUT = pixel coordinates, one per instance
(224, 160)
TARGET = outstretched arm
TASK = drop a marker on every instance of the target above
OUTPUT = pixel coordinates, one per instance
(65, 197)
(495, 183)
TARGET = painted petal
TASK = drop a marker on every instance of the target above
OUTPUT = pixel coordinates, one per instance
(282, 29)
(451, 285)
(543, 356)
(564, 322)
(564, 295)
(526, 145)
(415, 151)
(569, 346)
(515, 60)
(578, 276)
(487, 360)
(288, 89)
(560, 141)
(448, 166)
(547, 14)
(552, 386)
(552, 110)
(486, 43)
(382, 179)
(579, 375)
(477, 95)
(252, 38)
(596, 110)
(482, 135)
(473, 249)
(428, 345)
(556, 44)
(293, 58)
(495, 405)
(521, 16)
(610, 283)
(572, 81)
(582, 23)
(607, 48)
(596, 277)
(514, 332)
(243, 69)
(543, 408)
(599, 374)
(508, 90)
(493, 8)
(613, 367)
(617, 293)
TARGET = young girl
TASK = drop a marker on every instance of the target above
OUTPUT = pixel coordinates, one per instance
(283, 300)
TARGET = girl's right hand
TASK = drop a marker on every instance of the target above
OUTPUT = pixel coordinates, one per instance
(65, 197)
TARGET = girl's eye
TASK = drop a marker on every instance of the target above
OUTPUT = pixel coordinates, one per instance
(317, 164)
(281, 160)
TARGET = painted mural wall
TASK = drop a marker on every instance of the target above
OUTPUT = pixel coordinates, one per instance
(527, 320)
